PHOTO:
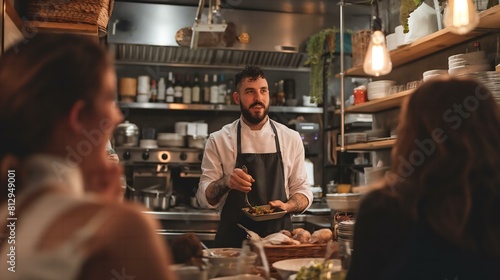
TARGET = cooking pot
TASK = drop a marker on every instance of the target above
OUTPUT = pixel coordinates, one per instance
(196, 141)
(126, 134)
(157, 199)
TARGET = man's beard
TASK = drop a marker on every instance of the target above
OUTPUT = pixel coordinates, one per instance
(251, 118)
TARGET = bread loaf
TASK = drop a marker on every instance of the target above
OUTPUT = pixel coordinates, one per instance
(321, 236)
(287, 233)
(303, 236)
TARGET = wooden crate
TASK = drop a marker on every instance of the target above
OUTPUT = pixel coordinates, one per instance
(360, 41)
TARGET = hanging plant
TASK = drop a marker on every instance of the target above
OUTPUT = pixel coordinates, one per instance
(315, 51)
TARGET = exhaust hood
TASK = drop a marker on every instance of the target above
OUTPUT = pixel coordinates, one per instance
(145, 33)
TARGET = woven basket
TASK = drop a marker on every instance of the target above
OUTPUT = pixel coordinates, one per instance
(276, 253)
(95, 12)
(360, 41)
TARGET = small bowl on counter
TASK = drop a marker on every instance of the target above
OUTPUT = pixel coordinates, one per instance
(347, 202)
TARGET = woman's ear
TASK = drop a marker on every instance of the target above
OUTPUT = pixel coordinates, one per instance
(236, 98)
(76, 117)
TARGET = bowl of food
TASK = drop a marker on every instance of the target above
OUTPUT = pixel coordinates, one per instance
(263, 212)
(285, 268)
(228, 259)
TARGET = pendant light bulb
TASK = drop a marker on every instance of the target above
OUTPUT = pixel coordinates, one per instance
(377, 60)
(461, 16)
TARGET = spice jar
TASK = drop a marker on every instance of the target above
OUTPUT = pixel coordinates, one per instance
(360, 95)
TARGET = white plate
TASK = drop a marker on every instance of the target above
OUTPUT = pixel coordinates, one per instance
(285, 268)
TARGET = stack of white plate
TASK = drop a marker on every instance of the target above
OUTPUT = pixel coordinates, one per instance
(345, 232)
(490, 79)
(467, 63)
(354, 137)
(379, 89)
(433, 73)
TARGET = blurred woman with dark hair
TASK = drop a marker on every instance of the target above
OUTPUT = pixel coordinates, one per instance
(60, 215)
(437, 214)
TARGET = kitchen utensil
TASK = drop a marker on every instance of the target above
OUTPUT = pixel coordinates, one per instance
(157, 199)
(126, 134)
(207, 249)
(196, 141)
(244, 168)
(343, 201)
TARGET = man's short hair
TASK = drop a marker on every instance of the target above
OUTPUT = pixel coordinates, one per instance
(251, 72)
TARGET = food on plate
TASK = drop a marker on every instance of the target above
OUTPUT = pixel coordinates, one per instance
(311, 272)
(303, 236)
(297, 230)
(259, 210)
(321, 236)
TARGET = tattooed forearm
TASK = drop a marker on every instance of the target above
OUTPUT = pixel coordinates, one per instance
(216, 190)
(297, 203)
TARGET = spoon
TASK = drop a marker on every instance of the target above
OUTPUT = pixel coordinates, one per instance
(245, 169)
(206, 248)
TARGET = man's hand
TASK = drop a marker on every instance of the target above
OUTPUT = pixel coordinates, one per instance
(238, 180)
(296, 204)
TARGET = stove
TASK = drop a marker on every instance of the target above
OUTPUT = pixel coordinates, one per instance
(129, 155)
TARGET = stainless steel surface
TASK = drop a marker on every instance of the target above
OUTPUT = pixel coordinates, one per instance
(276, 39)
(126, 134)
(218, 107)
(129, 155)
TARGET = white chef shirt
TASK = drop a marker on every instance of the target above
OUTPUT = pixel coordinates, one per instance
(221, 151)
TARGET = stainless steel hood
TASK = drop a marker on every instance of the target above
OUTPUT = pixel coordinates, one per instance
(144, 33)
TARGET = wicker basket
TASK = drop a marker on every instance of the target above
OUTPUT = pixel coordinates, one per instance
(95, 12)
(360, 41)
(276, 253)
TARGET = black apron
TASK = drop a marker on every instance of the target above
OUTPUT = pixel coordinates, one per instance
(267, 170)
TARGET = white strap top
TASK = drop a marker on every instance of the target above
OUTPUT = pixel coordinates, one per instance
(66, 259)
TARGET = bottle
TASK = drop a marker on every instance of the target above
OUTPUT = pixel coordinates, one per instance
(161, 91)
(214, 91)
(280, 95)
(153, 91)
(206, 90)
(169, 91)
(177, 89)
(196, 91)
(229, 92)
(222, 90)
(186, 91)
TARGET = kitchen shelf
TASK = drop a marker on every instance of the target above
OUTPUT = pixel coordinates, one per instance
(442, 39)
(62, 27)
(368, 146)
(215, 107)
(380, 104)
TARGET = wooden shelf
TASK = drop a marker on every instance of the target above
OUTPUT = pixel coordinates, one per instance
(62, 27)
(374, 145)
(442, 39)
(377, 105)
